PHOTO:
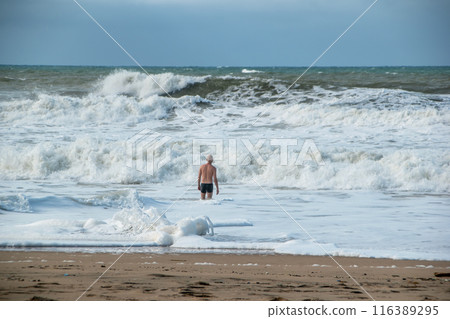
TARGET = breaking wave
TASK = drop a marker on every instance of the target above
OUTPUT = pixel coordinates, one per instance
(92, 160)
(121, 96)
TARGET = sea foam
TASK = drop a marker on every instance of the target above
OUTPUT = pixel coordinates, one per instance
(92, 160)
(133, 223)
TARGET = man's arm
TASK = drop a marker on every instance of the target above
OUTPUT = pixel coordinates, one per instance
(199, 177)
(215, 181)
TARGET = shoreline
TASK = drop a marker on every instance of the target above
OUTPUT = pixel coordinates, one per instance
(161, 250)
(50, 275)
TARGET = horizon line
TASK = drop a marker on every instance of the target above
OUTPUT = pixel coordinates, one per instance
(222, 66)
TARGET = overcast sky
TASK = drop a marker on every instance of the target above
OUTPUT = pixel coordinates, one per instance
(225, 33)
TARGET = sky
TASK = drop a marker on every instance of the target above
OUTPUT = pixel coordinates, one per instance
(225, 33)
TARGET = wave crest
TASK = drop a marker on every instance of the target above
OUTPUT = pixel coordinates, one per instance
(91, 160)
(143, 86)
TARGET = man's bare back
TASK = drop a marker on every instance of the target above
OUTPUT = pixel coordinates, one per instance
(206, 174)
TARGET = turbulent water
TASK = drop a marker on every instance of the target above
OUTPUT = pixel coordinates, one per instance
(366, 143)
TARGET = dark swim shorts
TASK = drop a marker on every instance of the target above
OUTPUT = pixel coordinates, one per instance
(206, 188)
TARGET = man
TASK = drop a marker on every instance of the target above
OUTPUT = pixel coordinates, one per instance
(205, 177)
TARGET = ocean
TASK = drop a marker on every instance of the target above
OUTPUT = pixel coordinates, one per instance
(346, 161)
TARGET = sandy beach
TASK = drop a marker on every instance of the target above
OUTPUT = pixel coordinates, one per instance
(140, 276)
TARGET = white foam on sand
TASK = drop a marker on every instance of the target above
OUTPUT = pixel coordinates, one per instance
(127, 217)
(132, 223)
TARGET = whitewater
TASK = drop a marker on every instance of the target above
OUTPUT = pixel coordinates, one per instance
(359, 157)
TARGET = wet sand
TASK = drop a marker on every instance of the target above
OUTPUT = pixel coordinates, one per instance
(139, 276)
